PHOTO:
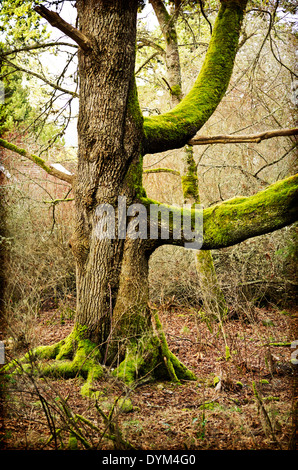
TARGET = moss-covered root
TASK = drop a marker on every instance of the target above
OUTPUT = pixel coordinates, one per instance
(151, 358)
(74, 356)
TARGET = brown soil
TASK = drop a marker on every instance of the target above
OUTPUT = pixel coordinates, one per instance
(218, 411)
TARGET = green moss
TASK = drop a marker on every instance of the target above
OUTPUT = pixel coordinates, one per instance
(72, 443)
(12, 147)
(208, 406)
(176, 90)
(151, 357)
(190, 186)
(76, 355)
(228, 355)
(125, 405)
(133, 106)
(39, 161)
(189, 180)
(175, 213)
(237, 219)
(216, 381)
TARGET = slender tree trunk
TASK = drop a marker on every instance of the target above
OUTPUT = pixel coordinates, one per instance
(211, 293)
(214, 303)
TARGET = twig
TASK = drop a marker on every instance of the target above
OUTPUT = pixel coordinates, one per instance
(265, 414)
(232, 139)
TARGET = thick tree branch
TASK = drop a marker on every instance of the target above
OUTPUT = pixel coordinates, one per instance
(175, 128)
(233, 139)
(240, 218)
(38, 161)
(55, 20)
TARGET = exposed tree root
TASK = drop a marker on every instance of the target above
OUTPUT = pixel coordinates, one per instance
(146, 358)
(150, 357)
(74, 356)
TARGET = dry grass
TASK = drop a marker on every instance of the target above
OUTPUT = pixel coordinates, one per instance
(220, 409)
(194, 415)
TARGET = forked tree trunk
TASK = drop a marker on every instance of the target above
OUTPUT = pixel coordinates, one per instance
(112, 274)
(109, 139)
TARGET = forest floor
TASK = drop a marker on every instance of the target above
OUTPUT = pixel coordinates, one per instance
(220, 410)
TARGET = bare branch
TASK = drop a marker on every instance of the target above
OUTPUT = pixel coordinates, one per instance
(57, 201)
(205, 16)
(36, 46)
(144, 41)
(38, 161)
(41, 77)
(55, 20)
(233, 139)
(275, 161)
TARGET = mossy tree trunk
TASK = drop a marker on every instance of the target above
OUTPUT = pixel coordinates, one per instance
(214, 303)
(113, 323)
(211, 294)
(112, 273)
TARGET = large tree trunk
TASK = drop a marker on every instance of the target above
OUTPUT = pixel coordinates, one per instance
(109, 140)
(212, 297)
(112, 274)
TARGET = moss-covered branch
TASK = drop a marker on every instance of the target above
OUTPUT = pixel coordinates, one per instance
(238, 219)
(176, 127)
(37, 160)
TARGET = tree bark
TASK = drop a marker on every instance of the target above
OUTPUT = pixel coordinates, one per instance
(167, 26)
(109, 137)
(214, 303)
